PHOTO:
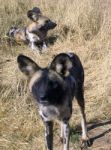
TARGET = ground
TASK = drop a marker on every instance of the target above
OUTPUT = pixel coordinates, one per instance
(83, 27)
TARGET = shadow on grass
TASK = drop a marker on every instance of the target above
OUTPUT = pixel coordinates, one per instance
(75, 133)
(51, 40)
(98, 124)
(95, 124)
(12, 42)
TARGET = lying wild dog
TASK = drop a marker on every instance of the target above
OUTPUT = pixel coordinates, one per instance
(36, 32)
(38, 29)
(54, 88)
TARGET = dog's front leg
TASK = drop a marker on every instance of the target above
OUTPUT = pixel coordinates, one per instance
(49, 134)
(33, 46)
(65, 134)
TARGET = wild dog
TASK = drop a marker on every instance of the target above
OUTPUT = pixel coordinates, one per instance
(36, 32)
(18, 34)
(38, 29)
(54, 88)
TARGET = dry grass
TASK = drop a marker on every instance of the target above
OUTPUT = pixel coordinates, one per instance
(84, 27)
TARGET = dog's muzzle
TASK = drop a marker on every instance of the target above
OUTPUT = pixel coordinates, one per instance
(43, 100)
(49, 25)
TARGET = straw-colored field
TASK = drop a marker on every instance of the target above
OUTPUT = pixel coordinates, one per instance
(84, 27)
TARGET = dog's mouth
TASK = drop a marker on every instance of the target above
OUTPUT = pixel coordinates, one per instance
(45, 102)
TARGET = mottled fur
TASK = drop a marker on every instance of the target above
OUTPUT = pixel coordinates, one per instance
(54, 88)
(36, 32)
(38, 29)
(18, 34)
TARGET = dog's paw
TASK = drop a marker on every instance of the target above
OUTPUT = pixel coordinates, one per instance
(85, 143)
(62, 140)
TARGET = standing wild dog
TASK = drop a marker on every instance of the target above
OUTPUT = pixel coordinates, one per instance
(38, 29)
(54, 88)
(36, 32)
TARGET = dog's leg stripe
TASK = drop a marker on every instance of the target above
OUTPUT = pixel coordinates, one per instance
(49, 135)
(62, 132)
(66, 135)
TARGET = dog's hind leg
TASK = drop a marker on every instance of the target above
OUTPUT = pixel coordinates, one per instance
(49, 134)
(80, 99)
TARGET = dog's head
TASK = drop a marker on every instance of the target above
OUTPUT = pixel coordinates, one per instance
(43, 22)
(34, 14)
(47, 84)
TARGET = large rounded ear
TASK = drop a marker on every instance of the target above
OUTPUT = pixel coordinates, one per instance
(27, 65)
(62, 64)
(36, 10)
(34, 14)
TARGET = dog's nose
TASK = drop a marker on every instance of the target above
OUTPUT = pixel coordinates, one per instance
(54, 24)
(43, 97)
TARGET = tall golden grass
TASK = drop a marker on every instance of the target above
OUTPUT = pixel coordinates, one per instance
(84, 27)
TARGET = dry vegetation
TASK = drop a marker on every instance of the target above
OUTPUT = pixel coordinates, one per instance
(84, 27)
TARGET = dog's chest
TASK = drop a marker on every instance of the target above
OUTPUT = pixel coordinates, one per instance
(33, 32)
(31, 36)
(51, 112)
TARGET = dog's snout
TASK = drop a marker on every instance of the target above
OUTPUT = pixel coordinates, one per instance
(43, 97)
(48, 25)
(52, 24)
(43, 100)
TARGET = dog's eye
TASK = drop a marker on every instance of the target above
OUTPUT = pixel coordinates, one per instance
(47, 21)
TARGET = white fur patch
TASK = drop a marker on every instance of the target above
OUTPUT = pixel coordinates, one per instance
(51, 112)
(59, 68)
(70, 54)
(29, 68)
(35, 77)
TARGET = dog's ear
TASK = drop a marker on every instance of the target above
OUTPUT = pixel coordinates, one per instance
(36, 10)
(34, 14)
(62, 64)
(27, 65)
